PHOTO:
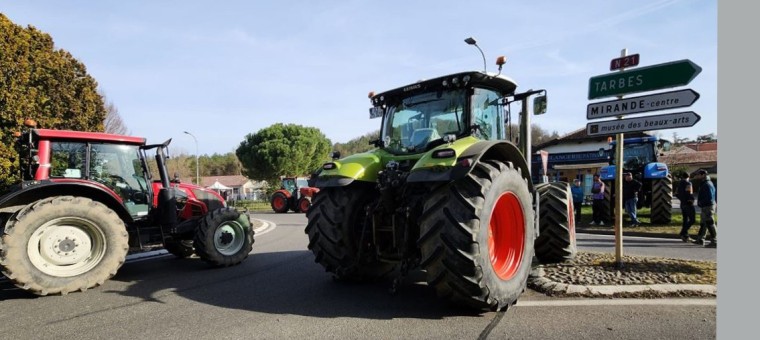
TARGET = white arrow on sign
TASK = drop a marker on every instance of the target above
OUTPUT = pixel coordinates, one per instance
(648, 123)
(652, 102)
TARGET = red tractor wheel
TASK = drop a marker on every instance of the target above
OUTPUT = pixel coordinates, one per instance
(279, 202)
(303, 204)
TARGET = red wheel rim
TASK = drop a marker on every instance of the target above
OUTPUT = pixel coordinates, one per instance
(506, 236)
(279, 202)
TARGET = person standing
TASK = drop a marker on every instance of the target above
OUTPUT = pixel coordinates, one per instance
(597, 195)
(706, 202)
(631, 188)
(577, 191)
(685, 195)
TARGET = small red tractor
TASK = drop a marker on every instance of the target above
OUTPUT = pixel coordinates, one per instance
(86, 199)
(294, 194)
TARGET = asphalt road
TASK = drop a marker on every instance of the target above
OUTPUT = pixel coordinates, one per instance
(280, 293)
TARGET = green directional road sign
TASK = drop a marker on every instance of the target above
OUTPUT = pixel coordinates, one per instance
(650, 78)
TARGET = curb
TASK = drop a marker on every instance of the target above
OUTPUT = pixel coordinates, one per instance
(538, 281)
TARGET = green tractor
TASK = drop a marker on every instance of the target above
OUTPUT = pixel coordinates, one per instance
(444, 191)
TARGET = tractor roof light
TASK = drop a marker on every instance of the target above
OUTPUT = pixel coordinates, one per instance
(30, 123)
(501, 60)
(371, 94)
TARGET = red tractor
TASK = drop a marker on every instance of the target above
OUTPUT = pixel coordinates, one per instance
(86, 199)
(295, 194)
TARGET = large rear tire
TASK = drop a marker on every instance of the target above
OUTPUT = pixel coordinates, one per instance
(63, 244)
(556, 238)
(337, 219)
(476, 237)
(279, 203)
(662, 200)
(224, 237)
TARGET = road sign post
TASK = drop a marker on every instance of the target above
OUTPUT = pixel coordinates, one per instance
(643, 79)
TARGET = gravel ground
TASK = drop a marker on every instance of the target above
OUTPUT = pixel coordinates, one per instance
(598, 269)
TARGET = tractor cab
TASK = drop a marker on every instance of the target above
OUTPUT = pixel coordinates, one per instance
(419, 117)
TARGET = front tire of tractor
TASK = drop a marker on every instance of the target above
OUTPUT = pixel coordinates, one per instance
(63, 244)
(224, 238)
(556, 238)
(477, 237)
(279, 203)
(662, 200)
(337, 218)
(303, 204)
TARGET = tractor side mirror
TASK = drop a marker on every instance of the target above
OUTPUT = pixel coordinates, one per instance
(666, 146)
(539, 105)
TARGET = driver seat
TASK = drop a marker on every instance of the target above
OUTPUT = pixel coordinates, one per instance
(421, 137)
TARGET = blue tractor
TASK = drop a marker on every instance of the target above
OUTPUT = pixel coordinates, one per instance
(640, 159)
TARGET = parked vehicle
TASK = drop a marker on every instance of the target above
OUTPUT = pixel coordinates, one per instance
(294, 194)
(445, 192)
(88, 198)
(640, 159)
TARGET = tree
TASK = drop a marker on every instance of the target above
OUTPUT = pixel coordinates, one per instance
(43, 83)
(357, 145)
(283, 150)
(113, 122)
(538, 135)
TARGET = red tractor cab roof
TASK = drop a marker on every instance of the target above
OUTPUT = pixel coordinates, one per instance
(87, 136)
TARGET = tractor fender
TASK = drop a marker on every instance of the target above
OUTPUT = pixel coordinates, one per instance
(308, 191)
(33, 191)
(497, 150)
(362, 167)
(284, 192)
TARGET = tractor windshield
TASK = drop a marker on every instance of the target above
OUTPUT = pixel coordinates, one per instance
(636, 156)
(414, 122)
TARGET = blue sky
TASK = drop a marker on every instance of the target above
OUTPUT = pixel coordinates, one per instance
(224, 69)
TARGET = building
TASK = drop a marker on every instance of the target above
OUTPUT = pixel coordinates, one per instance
(235, 187)
(691, 157)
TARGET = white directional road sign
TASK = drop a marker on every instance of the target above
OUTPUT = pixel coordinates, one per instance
(652, 102)
(647, 123)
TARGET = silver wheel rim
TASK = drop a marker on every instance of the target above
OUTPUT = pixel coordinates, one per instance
(228, 238)
(66, 246)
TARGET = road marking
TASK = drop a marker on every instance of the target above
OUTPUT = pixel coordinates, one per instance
(268, 226)
(617, 302)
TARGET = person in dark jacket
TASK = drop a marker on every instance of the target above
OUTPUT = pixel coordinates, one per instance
(597, 194)
(685, 195)
(706, 202)
(631, 188)
(577, 191)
